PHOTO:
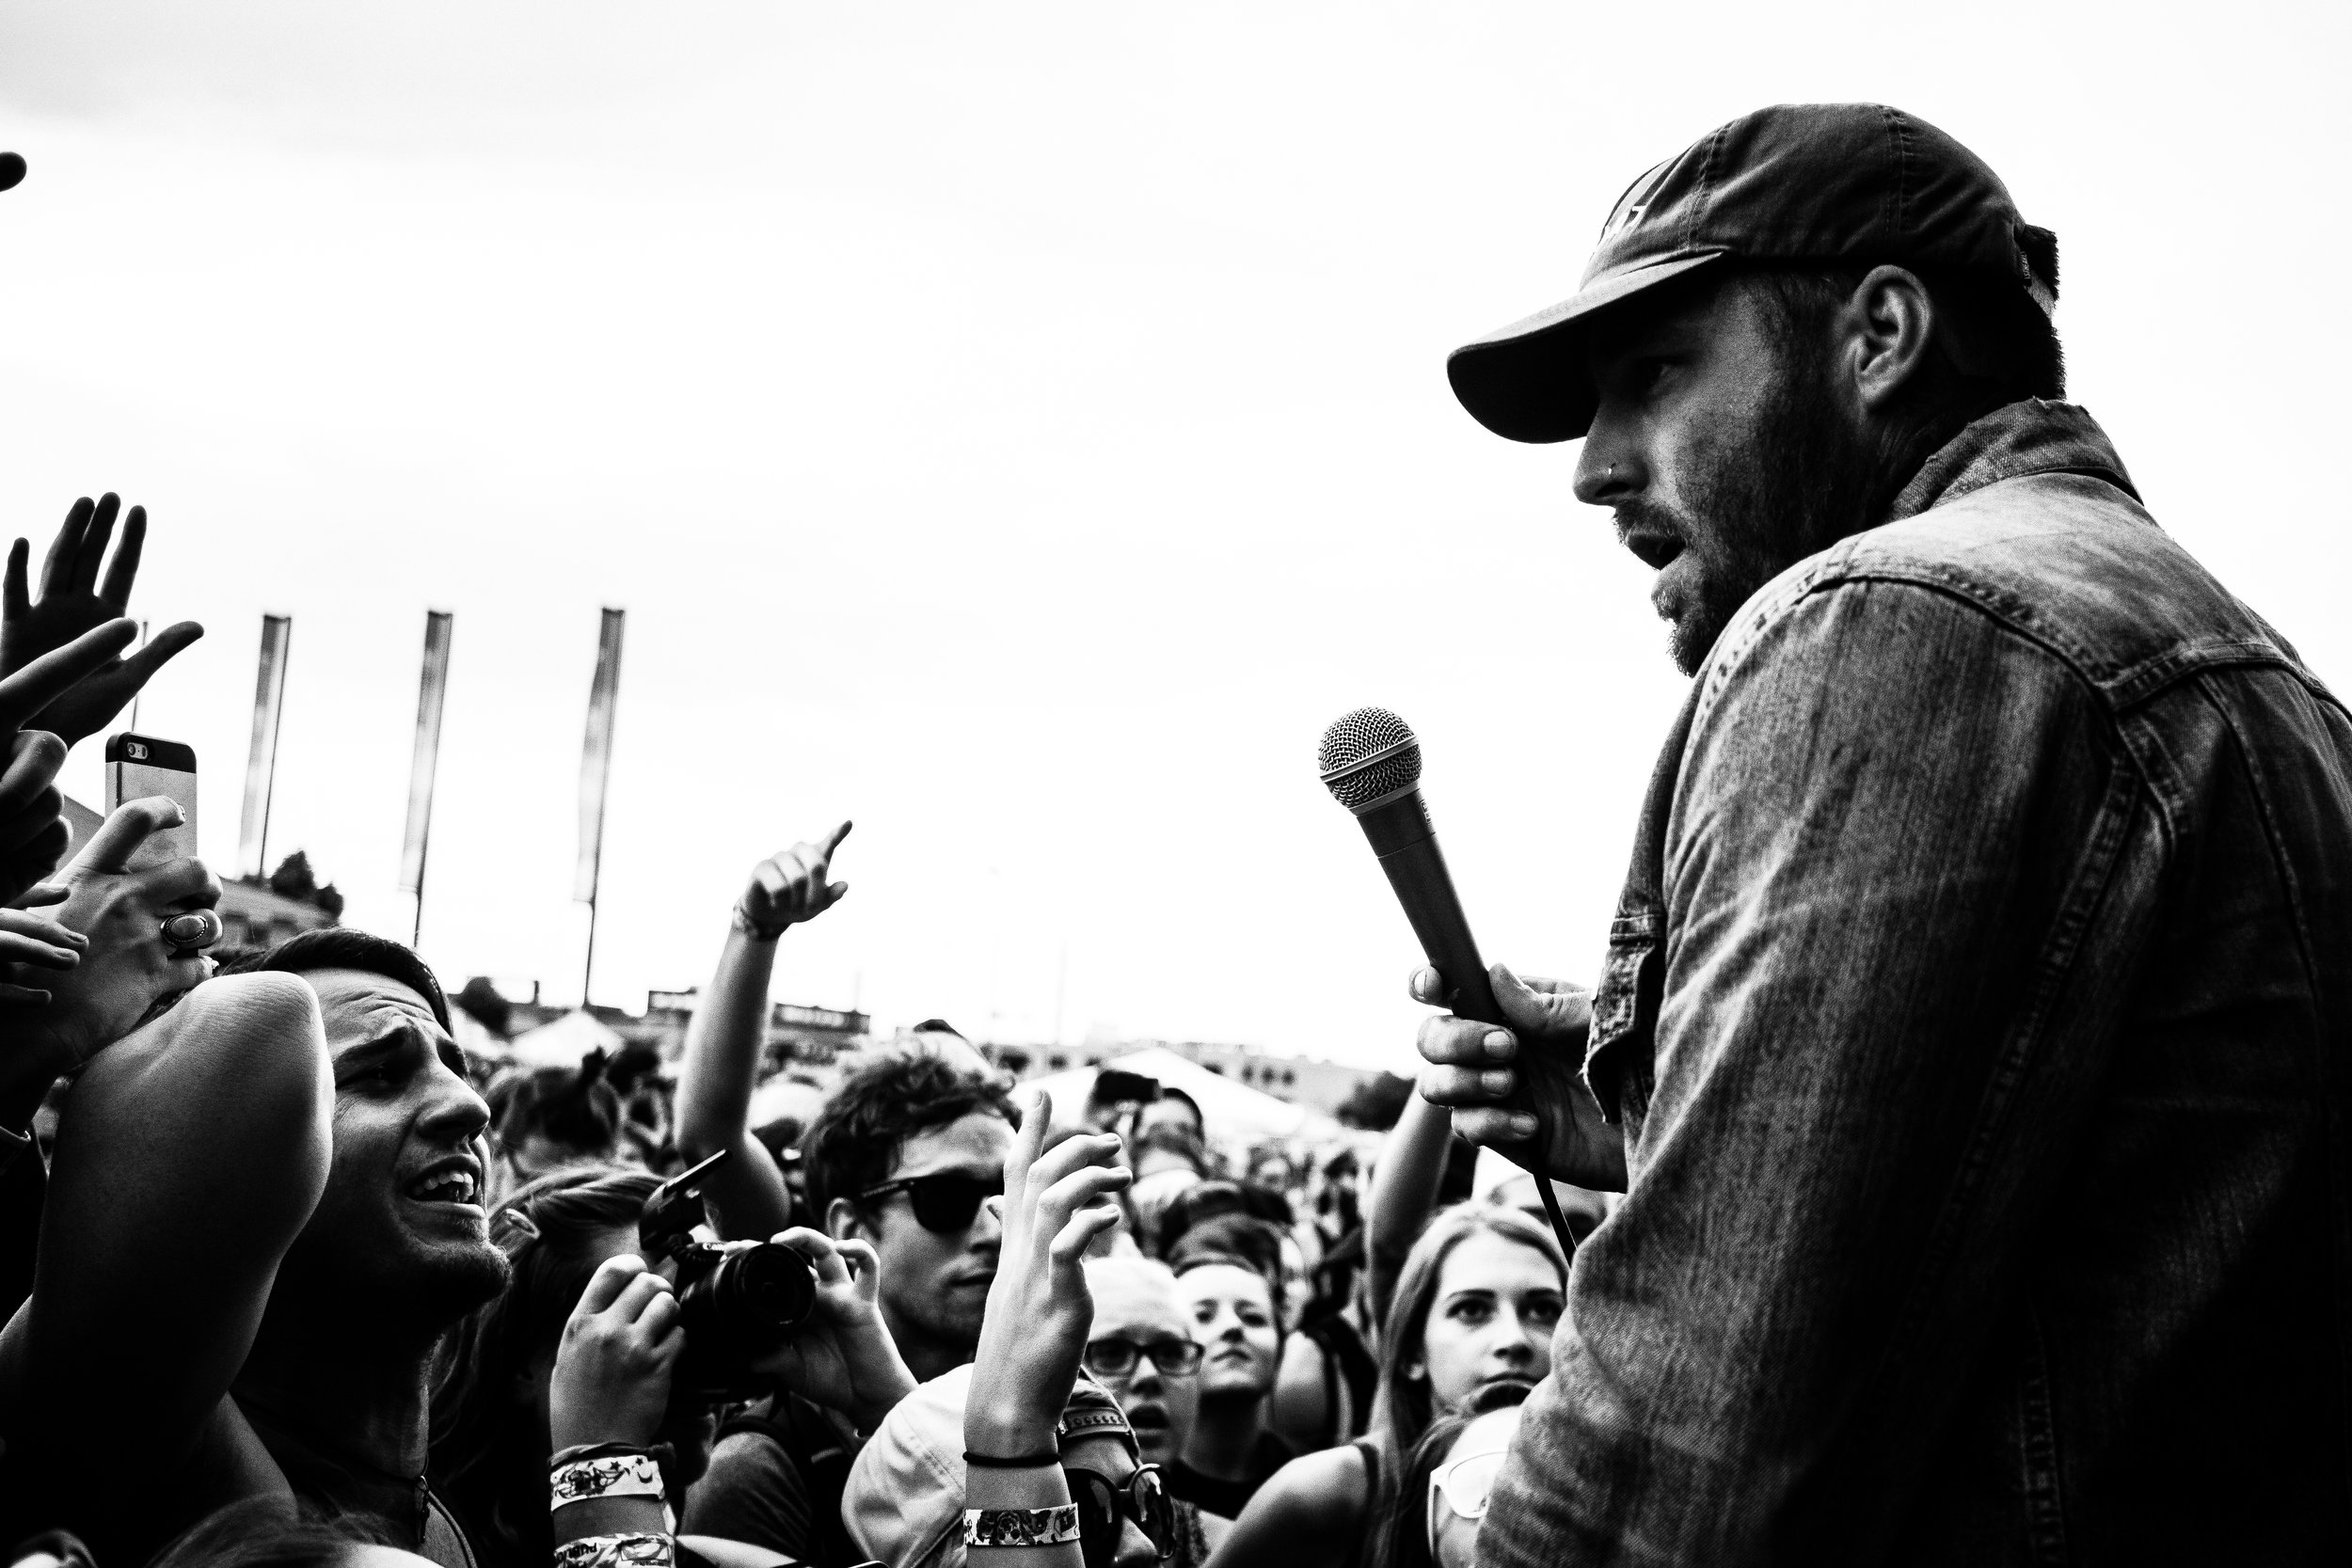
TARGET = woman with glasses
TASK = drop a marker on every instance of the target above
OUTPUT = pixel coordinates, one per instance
(1470, 1323)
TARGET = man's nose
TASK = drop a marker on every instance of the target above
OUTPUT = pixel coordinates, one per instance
(457, 1112)
(1608, 469)
(986, 1230)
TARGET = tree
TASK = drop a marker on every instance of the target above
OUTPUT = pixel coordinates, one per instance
(295, 879)
(1377, 1103)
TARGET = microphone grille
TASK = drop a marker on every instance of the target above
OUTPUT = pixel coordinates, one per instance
(1367, 756)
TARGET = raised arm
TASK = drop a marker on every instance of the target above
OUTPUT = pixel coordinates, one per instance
(189, 1155)
(746, 1194)
(1405, 1181)
(1886, 818)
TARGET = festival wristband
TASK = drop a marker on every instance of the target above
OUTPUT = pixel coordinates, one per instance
(753, 930)
(617, 1475)
(616, 1551)
(1021, 1526)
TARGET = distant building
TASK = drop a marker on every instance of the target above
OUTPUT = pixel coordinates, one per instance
(253, 916)
(796, 1033)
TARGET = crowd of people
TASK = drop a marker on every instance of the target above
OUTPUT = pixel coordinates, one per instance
(292, 1277)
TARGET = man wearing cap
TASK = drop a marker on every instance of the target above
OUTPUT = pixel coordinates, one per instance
(1974, 1041)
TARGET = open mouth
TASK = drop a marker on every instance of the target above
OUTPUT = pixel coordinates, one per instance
(1654, 550)
(1147, 1418)
(449, 1182)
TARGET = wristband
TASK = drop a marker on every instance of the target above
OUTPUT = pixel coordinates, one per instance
(1021, 1526)
(1020, 1462)
(753, 928)
(616, 1551)
(617, 1475)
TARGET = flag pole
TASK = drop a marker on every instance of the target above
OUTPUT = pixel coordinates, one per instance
(596, 773)
(425, 763)
(261, 762)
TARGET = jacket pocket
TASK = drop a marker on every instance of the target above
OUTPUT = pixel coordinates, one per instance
(1617, 1055)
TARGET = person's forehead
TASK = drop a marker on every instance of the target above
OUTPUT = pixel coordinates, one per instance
(357, 1004)
(1223, 1282)
(972, 1141)
(1485, 1260)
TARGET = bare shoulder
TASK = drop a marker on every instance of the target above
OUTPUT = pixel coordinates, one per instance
(1307, 1516)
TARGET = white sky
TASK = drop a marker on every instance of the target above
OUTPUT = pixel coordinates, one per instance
(1020, 428)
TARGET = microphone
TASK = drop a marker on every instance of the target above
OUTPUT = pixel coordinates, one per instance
(1371, 762)
(11, 169)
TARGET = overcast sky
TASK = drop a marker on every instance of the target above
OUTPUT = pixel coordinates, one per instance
(1020, 428)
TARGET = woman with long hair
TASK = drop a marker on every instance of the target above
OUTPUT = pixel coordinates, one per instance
(1469, 1327)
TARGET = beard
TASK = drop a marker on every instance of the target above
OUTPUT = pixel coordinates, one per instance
(1800, 476)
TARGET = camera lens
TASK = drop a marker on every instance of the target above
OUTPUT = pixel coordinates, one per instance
(766, 1285)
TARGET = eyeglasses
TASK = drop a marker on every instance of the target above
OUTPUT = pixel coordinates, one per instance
(1465, 1484)
(1103, 1503)
(1120, 1358)
(943, 1203)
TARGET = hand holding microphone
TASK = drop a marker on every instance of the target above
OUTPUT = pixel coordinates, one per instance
(1508, 1060)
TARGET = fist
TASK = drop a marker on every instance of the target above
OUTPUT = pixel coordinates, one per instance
(788, 887)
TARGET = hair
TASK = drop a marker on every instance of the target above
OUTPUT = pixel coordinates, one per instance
(1169, 1091)
(489, 1455)
(265, 1533)
(1993, 345)
(341, 947)
(854, 1142)
(1399, 1534)
(1242, 1239)
(572, 1106)
(1216, 1199)
(1402, 1408)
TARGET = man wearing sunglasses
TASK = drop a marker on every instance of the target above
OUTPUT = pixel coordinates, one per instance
(908, 1157)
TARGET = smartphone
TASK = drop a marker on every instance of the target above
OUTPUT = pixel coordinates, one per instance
(138, 766)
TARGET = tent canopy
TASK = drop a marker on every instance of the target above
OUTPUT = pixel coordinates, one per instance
(1235, 1113)
(564, 1041)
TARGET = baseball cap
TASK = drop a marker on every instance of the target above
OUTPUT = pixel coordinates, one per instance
(1840, 183)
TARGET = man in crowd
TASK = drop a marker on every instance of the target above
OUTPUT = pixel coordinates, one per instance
(907, 1157)
(1975, 1038)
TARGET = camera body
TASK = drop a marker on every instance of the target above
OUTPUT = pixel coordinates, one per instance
(739, 1302)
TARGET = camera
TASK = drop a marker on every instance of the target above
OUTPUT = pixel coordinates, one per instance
(739, 1302)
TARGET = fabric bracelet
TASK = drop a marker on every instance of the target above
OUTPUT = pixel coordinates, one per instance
(1019, 1462)
(616, 1551)
(753, 928)
(1021, 1526)
(615, 1475)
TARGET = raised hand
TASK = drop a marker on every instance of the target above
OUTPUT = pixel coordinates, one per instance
(843, 1356)
(790, 887)
(72, 600)
(611, 1377)
(1494, 1087)
(126, 967)
(33, 837)
(1039, 1311)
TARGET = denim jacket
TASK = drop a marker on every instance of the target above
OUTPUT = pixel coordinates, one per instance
(1978, 1012)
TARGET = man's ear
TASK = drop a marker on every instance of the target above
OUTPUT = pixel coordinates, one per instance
(1887, 330)
(842, 1223)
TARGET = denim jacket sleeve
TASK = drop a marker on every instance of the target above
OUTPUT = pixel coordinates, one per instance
(1891, 810)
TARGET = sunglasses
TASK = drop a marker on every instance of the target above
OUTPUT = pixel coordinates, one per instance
(1465, 1484)
(1120, 1358)
(1103, 1503)
(945, 1203)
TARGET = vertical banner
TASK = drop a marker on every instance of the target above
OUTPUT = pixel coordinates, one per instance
(432, 688)
(260, 762)
(596, 770)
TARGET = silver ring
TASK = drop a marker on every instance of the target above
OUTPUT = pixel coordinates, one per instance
(189, 934)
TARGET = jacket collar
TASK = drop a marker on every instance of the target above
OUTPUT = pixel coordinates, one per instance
(2028, 437)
